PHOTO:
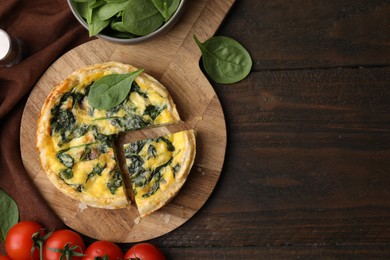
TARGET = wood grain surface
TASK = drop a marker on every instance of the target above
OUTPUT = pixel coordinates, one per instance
(307, 168)
(306, 172)
(174, 60)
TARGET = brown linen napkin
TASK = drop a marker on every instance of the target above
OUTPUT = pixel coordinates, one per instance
(48, 29)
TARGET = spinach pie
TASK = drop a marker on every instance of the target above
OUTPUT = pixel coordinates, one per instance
(75, 139)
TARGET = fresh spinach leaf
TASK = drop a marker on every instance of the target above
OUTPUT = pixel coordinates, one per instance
(141, 17)
(109, 10)
(9, 213)
(124, 35)
(117, 25)
(225, 60)
(83, 9)
(110, 90)
(125, 18)
(117, 29)
(96, 3)
(166, 7)
(96, 25)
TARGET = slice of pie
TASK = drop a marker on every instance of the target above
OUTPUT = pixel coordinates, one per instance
(158, 168)
(75, 140)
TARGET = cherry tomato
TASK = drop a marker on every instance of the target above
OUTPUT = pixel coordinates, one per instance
(102, 249)
(19, 241)
(63, 243)
(4, 257)
(144, 251)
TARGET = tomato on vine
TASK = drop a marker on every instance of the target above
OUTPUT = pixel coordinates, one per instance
(64, 244)
(23, 239)
(4, 257)
(144, 251)
(103, 250)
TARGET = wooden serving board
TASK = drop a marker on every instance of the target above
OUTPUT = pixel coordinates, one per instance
(173, 59)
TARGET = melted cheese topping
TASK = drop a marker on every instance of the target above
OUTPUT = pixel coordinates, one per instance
(161, 158)
(79, 149)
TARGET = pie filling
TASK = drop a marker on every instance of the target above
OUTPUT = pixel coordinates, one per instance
(83, 136)
(76, 142)
(158, 168)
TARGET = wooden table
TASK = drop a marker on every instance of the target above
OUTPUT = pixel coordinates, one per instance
(307, 169)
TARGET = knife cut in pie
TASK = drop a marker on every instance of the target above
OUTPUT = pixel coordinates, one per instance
(75, 140)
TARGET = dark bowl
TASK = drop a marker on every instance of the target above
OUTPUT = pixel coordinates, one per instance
(162, 30)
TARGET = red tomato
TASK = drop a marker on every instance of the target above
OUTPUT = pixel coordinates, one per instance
(19, 242)
(103, 248)
(144, 251)
(63, 242)
(4, 257)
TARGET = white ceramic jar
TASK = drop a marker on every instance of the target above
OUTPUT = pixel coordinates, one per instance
(10, 49)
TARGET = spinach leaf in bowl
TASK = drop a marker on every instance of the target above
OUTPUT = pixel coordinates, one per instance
(167, 8)
(141, 17)
(125, 18)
